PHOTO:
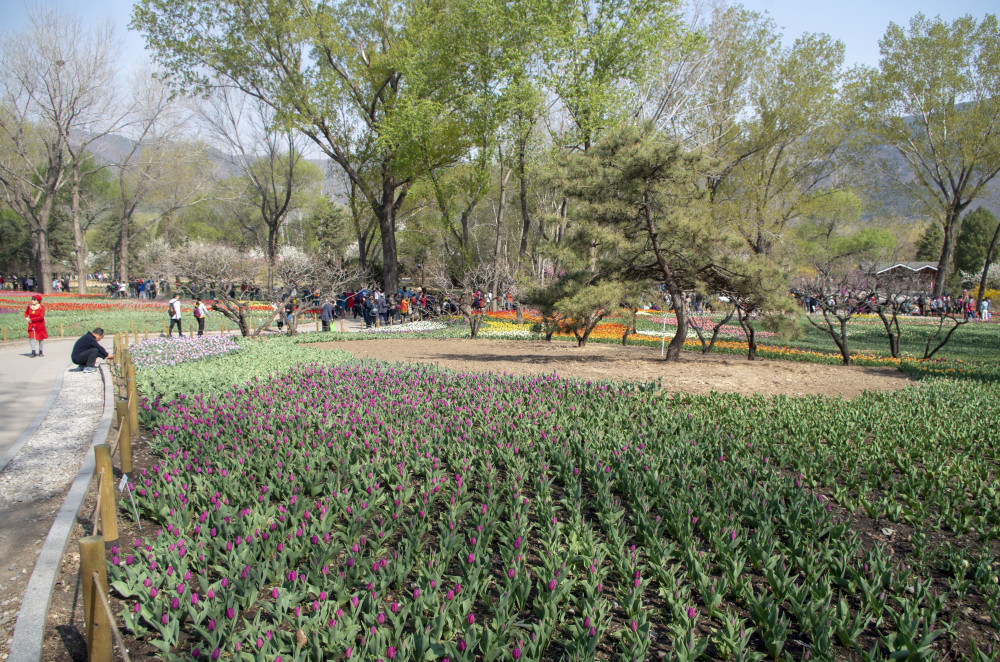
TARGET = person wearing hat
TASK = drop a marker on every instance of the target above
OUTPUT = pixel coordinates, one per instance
(35, 315)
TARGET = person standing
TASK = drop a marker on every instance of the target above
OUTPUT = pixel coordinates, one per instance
(325, 315)
(200, 313)
(35, 316)
(382, 308)
(174, 309)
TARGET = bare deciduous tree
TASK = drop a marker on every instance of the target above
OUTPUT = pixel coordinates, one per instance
(268, 158)
(54, 80)
(475, 279)
(837, 298)
(158, 171)
(221, 269)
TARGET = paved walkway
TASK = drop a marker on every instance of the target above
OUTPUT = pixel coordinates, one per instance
(26, 383)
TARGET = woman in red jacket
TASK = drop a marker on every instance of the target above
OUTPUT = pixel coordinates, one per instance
(35, 315)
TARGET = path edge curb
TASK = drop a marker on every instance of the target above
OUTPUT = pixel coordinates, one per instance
(36, 423)
(29, 632)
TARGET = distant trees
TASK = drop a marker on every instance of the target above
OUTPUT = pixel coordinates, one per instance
(935, 100)
(273, 178)
(54, 86)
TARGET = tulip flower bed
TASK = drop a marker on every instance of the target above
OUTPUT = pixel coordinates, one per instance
(377, 513)
(445, 327)
(161, 352)
(216, 374)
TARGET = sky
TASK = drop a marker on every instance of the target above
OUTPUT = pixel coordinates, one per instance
(858, 23)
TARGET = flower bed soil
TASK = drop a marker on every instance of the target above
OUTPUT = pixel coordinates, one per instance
(695, 373)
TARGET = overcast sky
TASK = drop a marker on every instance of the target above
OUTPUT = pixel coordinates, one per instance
(859, 24)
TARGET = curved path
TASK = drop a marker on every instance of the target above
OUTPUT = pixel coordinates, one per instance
(48, 418)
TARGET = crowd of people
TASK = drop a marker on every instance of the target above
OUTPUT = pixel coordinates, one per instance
(922, 305)
(27, 283)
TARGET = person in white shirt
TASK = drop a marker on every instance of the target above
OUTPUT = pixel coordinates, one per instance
(200, 313)
(174, 308)
(984, 310)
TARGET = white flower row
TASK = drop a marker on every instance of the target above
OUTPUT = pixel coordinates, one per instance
(411, 327)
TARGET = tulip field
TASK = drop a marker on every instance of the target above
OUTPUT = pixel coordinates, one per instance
(318, 508)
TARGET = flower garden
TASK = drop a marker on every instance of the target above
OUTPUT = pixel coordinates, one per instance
(75, 314)
(303, 505)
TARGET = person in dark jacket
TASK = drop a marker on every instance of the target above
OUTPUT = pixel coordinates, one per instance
(88, 349)
(325, 315)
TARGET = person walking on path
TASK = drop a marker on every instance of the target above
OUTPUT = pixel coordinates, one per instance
(35, 316)
(174, 308)
(325, 315)
(200, 313)
(88, 349)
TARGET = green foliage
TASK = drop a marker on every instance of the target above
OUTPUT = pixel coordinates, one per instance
(748, 522)
(256, 359)
(600, 53)
(15, 245)
(929, 244)
(833, 251)
(771, 117)
(973, 241)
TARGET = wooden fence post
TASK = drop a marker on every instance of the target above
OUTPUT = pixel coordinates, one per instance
(98, 629)
(106, 493)
(133, 415)
(123, 411)
(132, 391)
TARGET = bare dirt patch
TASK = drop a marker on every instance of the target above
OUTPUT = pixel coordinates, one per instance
(695, 373)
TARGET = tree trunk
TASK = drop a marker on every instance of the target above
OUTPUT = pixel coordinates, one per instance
(43, 266)
(272, 255)
(501, 207)
(845, 352)
(750, 332)
(40, 247)
(891, 331)
(79, 238)
(677, 342)
(525, 219)
(386, 214)
(953, 224)
(990, 252)
(123, 250)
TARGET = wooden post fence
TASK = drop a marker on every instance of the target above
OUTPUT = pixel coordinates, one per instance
(106, 493)
(93, 575)
(123, 412)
